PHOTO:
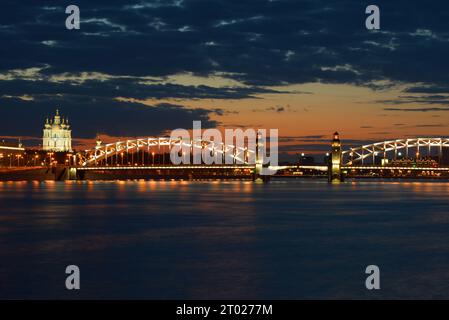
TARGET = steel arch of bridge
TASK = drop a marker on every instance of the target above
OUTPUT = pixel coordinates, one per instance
(371, 151)
(238, 155)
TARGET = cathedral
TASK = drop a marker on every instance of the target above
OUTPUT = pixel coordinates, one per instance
(57, 134)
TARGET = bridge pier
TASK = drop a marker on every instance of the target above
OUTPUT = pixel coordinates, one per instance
(72, 174)
(258, 176)
(64, 173)
(334, 172)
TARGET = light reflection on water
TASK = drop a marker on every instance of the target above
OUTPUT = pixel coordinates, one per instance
(224, 239)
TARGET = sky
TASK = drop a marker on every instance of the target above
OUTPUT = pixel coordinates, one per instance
(305, 67)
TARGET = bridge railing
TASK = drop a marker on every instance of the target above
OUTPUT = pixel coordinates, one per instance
(224, 153)
(395, 149)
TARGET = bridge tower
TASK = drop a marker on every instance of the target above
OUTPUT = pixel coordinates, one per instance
(334, 171)
(259, 160)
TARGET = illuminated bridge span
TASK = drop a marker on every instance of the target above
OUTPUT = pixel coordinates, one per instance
(150, 157)
(394, 149)
(143, 151)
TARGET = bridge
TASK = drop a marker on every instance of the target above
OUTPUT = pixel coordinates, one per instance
(220, 151)
(395, 149)
(150, 156)
(412, 157)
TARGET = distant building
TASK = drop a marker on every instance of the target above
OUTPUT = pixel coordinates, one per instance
(57, 135)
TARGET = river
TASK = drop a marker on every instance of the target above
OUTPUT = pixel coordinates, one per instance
(286, 239)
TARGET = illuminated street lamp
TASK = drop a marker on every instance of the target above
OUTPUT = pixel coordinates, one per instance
(50, 157)
(152, 153)
(18, 159)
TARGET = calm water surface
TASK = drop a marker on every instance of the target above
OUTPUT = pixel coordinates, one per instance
(213, 239)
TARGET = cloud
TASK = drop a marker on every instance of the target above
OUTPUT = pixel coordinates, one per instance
(430, 126)
(381, 133)
(278, 109)
(139, 49)
(88, 116)
(429, 89)
(31, 82)
(308, 139)
(273, 42)
(429, 109)
(426, 99)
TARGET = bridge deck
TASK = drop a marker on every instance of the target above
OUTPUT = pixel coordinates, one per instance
(394, 168)
(159, 167)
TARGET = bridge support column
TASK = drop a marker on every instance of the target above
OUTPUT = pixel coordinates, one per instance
(258, 176)
(334, 172)
(72, 174)
(63, 173)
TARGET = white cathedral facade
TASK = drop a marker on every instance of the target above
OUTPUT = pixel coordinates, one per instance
(57, 134)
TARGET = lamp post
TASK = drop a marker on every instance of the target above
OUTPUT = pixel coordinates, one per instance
(152, 154)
